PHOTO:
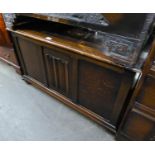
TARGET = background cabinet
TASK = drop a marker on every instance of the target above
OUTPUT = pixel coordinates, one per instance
(139, 126)
(139, 122)
(4, 38)
(7, 54)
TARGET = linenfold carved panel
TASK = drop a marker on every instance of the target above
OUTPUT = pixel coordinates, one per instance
(57, 72)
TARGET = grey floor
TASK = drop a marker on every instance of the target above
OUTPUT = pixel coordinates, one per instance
(26, 113)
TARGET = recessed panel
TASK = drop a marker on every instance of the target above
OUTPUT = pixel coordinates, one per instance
(98, 88)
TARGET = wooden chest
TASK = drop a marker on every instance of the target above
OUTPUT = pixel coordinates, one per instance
(91, 71)
(93, 87)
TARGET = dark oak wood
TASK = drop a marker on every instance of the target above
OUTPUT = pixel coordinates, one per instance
(139, 121)
(139, 125)
(79, 72)
(102, 90)
(123, 37)
(59, 71)
(33, 60)
(147, 94)
(95, 86)
(7, 54)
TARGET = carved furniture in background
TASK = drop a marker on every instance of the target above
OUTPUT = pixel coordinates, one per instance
(6, 50)
(139, 121)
